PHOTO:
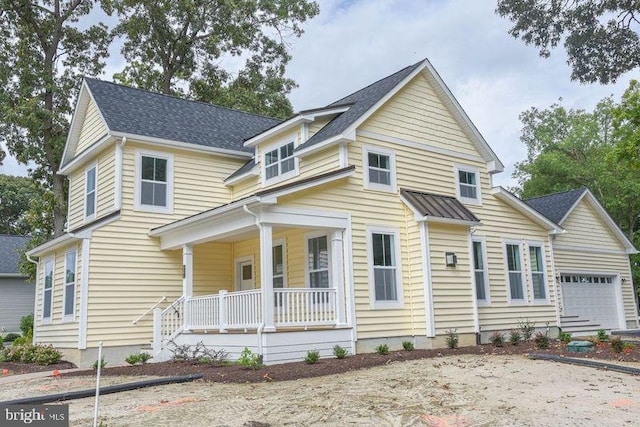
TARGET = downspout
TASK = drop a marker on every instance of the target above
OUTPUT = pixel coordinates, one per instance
(117, 199)
(35, 302)
(261, 327)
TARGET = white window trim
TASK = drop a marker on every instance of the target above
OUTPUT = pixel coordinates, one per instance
(137, 205)
(238, 274)
(512, 301)
(467, 200)
(487, 287)
(280, 177)
(52, 260)
(383, 305)
(282, 242)
(95, 193)
(392, 187)
(307, 237)
(69, 317)
(540, 244)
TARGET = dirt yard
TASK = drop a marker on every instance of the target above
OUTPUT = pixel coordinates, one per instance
(465, 390)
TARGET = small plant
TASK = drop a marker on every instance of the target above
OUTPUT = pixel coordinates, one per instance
(26, 325)
(382, 349)
(249, 359)
(408, 345)
(198, 353)
(138, 358)
(526, 327)
(103, 363)
(541, 340)
(616, 344)
(339, 352)
(10, 337)
(627, 348)
(515, 337)
(602, 335)
(312, 357)
(452, 338)
(497, 339)
(564, 337)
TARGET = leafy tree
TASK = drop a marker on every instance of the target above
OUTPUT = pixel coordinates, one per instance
(43, 54)
(600, 36)
(16, 194)
(176, 47)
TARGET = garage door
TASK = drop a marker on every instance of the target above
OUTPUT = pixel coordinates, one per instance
(591, 297)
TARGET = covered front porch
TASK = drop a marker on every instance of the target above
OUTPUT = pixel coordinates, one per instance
(254, 270)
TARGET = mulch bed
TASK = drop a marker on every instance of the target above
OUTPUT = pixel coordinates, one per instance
(27, 368)
(292, 371)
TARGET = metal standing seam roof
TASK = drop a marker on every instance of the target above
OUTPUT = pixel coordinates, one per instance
(10, 248)
(141, 112)
(556, 206)
(438, 206)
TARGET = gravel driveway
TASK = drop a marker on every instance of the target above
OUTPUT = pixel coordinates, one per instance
(469, 390)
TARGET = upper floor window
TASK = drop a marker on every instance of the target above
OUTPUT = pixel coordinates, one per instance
(70, 286)
(279, 161)
(379, 165)
(154, 182)
(538, 282)
(468, 184)
(90, 184)
(515, 273)
(384, 267)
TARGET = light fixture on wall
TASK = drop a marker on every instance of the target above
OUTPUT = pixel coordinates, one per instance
(451, 259)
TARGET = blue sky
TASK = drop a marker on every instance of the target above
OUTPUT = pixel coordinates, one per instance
(494, 76)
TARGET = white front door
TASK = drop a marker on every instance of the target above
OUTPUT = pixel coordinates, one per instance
(245, 270)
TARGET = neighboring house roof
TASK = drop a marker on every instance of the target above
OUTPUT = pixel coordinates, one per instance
(10, 248)
(140, 112)
(438, 207)
(556, 206)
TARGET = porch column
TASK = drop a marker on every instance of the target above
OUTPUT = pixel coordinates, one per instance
(187, 281)
(337, 275)
(266, 276)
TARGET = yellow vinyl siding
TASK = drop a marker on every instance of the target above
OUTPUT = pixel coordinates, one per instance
(245, 188)
(585, 228)
(212, 268)
(318, 124)
(59, 333)
(93, 128)
(319, 163)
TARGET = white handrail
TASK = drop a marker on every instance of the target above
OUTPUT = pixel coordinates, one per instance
(150, 310)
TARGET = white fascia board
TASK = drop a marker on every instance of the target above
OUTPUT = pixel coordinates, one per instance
(255, 171)
(203, 216)
(282, 127)
(324, 144)
(52, 244)
(86, 155)
(236, 154)
(522, 207)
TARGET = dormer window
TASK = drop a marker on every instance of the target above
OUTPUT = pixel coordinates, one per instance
(279, 162)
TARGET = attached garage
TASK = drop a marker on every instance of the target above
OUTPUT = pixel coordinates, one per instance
(593, 297)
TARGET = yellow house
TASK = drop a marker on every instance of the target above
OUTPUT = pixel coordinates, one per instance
(370, 220)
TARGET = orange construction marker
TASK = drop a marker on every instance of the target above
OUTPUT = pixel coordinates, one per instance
(5, 372)
(56, 373)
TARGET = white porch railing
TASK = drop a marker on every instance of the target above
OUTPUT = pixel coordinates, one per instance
(172, 319)
(204, 312)
(243, 309)
(305, 307)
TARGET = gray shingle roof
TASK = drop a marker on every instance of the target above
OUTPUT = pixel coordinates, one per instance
(438, 206)
(10, 248)
(555, 206)
(141, 112)
(362, 101)
(243, 169)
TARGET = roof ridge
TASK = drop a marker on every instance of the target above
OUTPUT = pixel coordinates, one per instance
(182, 99)
(376, 82)
(556, 194)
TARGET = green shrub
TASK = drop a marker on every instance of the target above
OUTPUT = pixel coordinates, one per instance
(250, 360)
(564, 337)
(339, 352)
(26, 325)
(25, 339)
(497, 339)
(138, 358)
(29, 353)
(312, 357)
(103, 363)
(382, 349)
(452, 338)
(526, 327)
(541, 340)
(408, 345)
(602, 335)
(515, 337)
(46, 355)
(10, 337)
(617, 344)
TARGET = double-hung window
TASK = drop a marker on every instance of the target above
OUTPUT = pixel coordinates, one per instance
(384, 265)
(47, 294)
(379, 173)
(514, 271)
(536, 259)
(278, 265)
(154, 182)
(468, 184)
(70, 286)
(318, 262)
(480, 271)
(279, 161)
(90, 184)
